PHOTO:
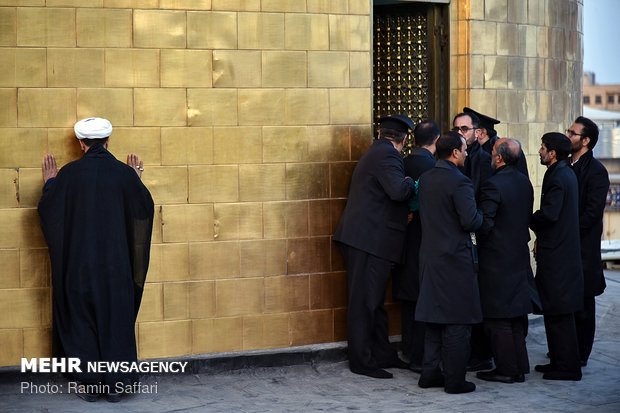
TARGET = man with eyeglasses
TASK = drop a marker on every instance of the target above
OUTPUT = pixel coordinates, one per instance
(488, 137)
(478, 163)
(593, 182)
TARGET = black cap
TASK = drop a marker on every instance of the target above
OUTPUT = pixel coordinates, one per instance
(486, 122)
(401, 123)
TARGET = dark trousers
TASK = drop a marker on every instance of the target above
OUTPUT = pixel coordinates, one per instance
(412, 334)
(585, 322)
(562, 342)
(507, 337)
(480, 343)
(369, 347)
(447, 343)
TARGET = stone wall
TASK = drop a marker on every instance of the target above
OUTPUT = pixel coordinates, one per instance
(249, 115)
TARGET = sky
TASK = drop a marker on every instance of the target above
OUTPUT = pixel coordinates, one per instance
(601, 40)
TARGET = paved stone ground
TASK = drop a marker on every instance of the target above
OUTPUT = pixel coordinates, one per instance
(322, 384)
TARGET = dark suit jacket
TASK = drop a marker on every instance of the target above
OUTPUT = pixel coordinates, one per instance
(477, 166)
(559, 276)
(406, 279)
(449, 285)
(375, 216)
(506, 201)
(593, 186)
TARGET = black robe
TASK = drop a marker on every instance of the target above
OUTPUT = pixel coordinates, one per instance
(97, 218)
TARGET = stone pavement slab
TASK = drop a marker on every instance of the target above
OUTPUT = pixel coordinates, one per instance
(321, 383)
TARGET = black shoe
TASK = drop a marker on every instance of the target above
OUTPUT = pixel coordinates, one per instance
(85, 395)
(113, 397)
(562, 375)
(493, 376)
(467, 387)
(477, 365)
(395, 364)
(375, 374)
(519, 378)
(416, 368)
(426, 383)
(544, 368)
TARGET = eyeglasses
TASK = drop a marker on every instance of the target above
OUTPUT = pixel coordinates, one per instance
(463, 129)
(570, 133)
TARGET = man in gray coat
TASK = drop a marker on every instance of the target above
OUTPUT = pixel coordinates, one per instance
(449, 299)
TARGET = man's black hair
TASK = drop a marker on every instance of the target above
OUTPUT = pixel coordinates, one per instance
(558, 142)
(91, 142)
(475, 120)
(425, 132)
(447, 143)
(392, 134)
(590, 130)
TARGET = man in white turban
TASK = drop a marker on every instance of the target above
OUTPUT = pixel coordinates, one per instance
(97, 218)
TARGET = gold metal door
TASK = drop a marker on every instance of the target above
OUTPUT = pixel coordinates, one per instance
(410, 62)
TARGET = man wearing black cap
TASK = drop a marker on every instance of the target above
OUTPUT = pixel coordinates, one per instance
(593, 183)
(488, 137)
(371, 235)
(559, 275)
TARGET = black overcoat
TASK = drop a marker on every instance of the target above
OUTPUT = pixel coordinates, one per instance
(477, 166)
(506, 202)
(593, 183)
(449, 291)
(406, 279)
(375, 216)
(97, 218)
(559, 276)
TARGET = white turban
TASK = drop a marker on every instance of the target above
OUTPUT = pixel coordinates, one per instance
(93, 128)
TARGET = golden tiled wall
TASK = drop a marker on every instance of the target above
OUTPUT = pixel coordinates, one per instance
(249, 115)
(521, 62)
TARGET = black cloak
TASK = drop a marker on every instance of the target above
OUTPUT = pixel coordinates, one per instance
(97, 218)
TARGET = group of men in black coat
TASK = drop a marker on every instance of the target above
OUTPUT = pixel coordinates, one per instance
(466, 259)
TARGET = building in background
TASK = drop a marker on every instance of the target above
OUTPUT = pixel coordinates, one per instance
(250, 116)
(606, 97)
